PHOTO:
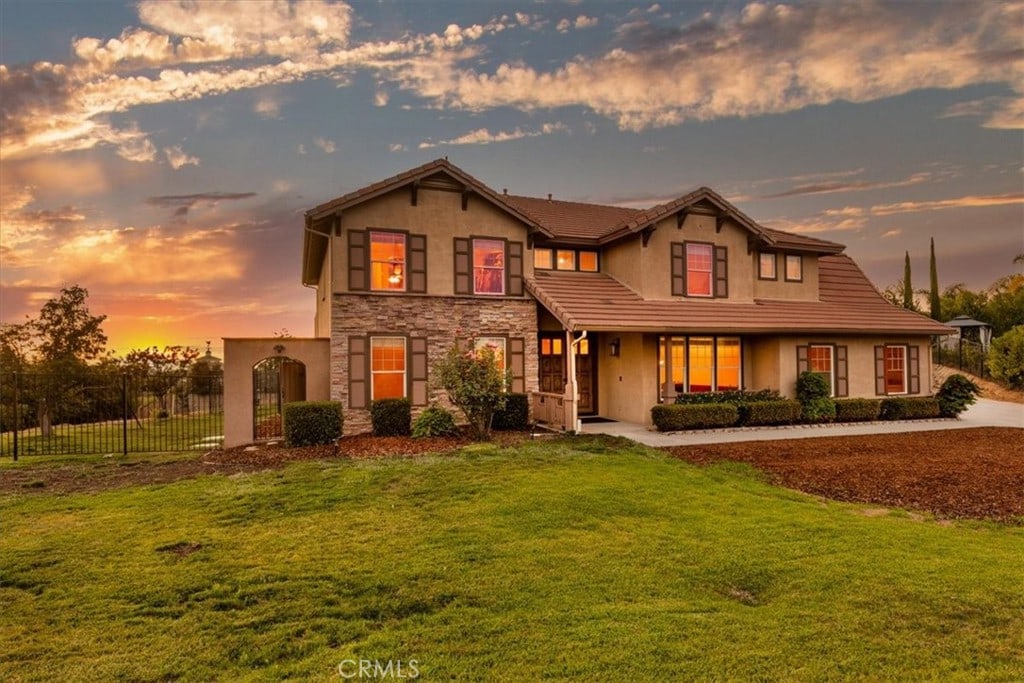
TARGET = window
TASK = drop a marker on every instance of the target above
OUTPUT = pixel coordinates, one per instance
(496, 345)
(387, 367)
(794, 268)
(488, 267)
(699, 261)
(566, 259)
(588, 261)
(387, 261)
(895, 369)
(766, 267)
(542, 259)
(550, 346)
(820, 360)
(699, 364)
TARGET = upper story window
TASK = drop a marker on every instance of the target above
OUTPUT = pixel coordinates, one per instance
(387, 261)
(794, 268)
(565, 259)
(488, 266)
(766, 267)
(699, 262)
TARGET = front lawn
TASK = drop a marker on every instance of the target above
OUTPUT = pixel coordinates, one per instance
(579, 559)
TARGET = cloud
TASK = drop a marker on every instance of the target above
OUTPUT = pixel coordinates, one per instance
(831, 187)
(327, 146)
(396, 147)
(892, 233)
(583, 21)
(967, 202)
(183, 203)
(177, 157)
(380, 98)
(268, 105)
(482, 136)
(563, 26)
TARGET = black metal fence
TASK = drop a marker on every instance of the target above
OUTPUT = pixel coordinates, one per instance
(963, 354)
(44, 414)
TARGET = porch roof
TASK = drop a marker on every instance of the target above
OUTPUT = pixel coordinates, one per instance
(848, 303)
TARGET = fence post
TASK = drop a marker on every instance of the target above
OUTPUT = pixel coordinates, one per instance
(124, 413)
(17, 413)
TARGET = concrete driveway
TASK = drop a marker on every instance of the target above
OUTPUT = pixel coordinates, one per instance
(984, 413)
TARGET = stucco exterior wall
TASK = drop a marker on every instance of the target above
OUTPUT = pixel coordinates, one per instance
(628, 384)
(438, 214)
(241, 356)
(806, 290)
(441, 320)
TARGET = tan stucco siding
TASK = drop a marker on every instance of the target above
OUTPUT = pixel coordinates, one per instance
(628, 384)
(780, 288)
(322, 320)
(438, 214)
(624, 262)
(761, 363)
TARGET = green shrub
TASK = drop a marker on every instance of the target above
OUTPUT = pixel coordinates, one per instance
(475, 384)
(955, 394)
(391, 416)
(434, 421)
(857, 409)
(673, 417)
(811, 385)
(515, 416)
(1006, 357)
(312, 423)
(781, 412)
(909, 408)
(819, 410)
(734, 397)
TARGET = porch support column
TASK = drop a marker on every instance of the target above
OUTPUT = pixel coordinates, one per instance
(571, 386)
(668, 389)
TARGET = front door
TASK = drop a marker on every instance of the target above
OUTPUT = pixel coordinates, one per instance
(553, 368)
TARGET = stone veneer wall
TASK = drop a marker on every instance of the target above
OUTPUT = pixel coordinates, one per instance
(440, 320)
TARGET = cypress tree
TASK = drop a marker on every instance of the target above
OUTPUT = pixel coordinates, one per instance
(936, 305)
(908, 289)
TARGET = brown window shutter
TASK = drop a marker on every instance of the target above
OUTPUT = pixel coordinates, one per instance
(721, 272)
(358, 382)
(678, 269)
(802, 362)
(463, 266)
(417, 263)
(515, 269)
(842, 373)
(418, 371)
(913, 370)
(517, 363)
(880, 371)
(358, 261)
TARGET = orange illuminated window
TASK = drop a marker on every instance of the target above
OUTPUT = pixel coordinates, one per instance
(701, 362)
(727, 364)
(794, 268)
(766, 267)
(496, 346)
(387, 261)
(551, 347)
(542, 259)
(819, 360)
(566, 259)
(895, 369)
(699, 260)
(387, 367)
(488, 267)
(588, 261)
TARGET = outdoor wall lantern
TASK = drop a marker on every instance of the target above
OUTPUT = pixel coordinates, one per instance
(613, 347)
(279, 348)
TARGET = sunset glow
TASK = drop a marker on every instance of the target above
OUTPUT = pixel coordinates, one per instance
(161, 153)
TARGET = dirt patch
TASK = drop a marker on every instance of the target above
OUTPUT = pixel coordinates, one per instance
(953, 474)
(989, 389)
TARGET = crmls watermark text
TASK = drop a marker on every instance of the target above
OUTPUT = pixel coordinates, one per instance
(373, 668)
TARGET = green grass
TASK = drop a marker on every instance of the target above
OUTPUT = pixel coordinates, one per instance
(585, 559)
(178, 432)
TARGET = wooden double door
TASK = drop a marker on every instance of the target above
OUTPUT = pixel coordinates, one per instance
(554, 369)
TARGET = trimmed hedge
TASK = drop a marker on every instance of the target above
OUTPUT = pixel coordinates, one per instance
(674, 417)
(857, 409)
(760, 413)
(733, 397)
(391, 416)
(434, 421)
(312, 423)
(910, 408)
(817, 410)
(515, 415)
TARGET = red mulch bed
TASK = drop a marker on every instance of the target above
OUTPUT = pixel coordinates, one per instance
(953, 474)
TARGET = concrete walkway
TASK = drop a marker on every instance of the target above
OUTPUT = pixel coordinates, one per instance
(984, 413)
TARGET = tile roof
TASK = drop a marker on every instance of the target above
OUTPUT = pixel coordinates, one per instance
(573, 220)
(849, 304)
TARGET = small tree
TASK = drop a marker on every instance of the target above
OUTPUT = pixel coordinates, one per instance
(475, 384)
(934, 300)
(1006, 357)
(908, 289)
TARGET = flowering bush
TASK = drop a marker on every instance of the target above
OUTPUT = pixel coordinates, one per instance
(475, 384)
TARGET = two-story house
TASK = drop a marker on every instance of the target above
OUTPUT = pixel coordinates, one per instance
(618, 308)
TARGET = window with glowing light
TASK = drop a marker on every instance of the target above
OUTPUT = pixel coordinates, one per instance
(387, 367)
(497, 345)
(387, 261)
(699, 364)
(699, 262)
(566, 259)
(488, 267)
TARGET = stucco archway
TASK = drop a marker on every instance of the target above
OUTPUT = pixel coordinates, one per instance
(242, 355)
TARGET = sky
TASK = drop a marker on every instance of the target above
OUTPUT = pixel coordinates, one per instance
(161, 153)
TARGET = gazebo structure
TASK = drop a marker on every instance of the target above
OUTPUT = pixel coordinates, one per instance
(969, 329)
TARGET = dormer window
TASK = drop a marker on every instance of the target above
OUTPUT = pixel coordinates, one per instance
(582, 260)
